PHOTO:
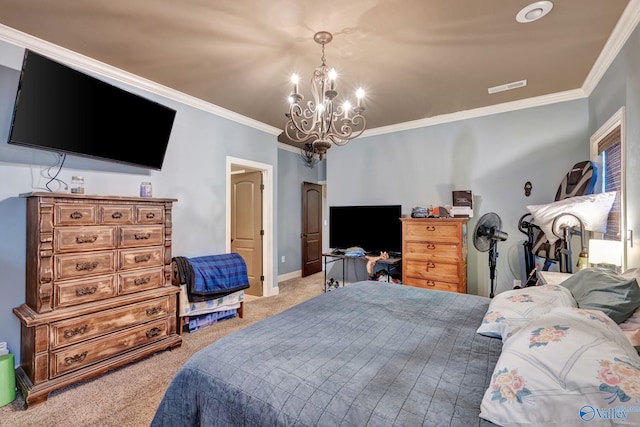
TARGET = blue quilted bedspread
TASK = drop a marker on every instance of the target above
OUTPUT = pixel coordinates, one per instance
(368, 354)
(216, 274)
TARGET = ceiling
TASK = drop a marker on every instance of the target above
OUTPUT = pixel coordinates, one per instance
(416, 59)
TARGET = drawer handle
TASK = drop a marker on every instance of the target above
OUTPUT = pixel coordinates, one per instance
(76, 215)
(82, 266)
(142, 258)
(151, 215)
(69, 333)
(86, 239)
(430, 265)
(86, 291)
(154, 332)
(154, 310)
(142, 281)
(75, 359)
(116, 215)
(431, 283)
(142, 236)
(431, 246)
(431, 228)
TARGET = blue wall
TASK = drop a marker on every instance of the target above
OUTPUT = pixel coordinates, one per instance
(194, 172)
(492, 156)
(620, 87)
(291, 174)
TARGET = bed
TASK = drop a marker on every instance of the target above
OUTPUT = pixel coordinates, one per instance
(372, 354)
(366, 354)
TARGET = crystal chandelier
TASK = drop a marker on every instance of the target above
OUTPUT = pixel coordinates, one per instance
(321, 122)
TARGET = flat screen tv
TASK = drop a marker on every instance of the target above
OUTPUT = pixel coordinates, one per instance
(61, 109)
(373, 228)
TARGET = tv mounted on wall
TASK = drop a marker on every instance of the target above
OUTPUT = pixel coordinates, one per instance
(373, 228)
(64, 110)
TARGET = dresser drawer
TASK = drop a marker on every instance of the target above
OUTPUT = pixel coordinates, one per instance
(135, 236)
(74, 292)
(81, 265)
(116, 214)
(77, 239)
(432, 270)
(141, 258)
(150, 215)
(88, 352)
(140, 280)
(93, 325)
(75, 214)
(438, 232)
(433, 284)
(431, 251)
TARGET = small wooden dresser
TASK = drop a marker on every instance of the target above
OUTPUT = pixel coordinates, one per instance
(434, 253)
(98, 288)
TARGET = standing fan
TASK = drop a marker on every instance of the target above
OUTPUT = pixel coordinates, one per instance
(486, 237)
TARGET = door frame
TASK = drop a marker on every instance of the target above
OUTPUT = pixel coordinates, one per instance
(268, 288)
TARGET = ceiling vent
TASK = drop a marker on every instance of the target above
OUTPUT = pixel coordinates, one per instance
(508, 86)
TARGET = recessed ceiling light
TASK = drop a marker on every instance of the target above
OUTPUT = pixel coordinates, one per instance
(534, 11)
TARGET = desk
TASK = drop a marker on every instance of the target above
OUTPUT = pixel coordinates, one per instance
(329, 257)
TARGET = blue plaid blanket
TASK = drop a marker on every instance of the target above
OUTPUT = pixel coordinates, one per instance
(218, 274)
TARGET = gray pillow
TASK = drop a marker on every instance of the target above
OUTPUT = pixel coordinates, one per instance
(605, 290)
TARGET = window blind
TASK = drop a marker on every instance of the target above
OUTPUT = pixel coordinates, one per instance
(610, 150)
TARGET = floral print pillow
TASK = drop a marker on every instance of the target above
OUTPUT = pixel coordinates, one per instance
(568, 367)
(514, 308)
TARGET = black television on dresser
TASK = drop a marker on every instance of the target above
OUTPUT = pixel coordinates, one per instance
(374, 228)
(60, 109)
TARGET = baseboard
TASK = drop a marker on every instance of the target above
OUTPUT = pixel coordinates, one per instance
(292, 275)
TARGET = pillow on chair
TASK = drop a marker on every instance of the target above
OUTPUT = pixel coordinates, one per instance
(592, 210)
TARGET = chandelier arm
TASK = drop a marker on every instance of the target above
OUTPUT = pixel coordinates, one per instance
(328, 119)
(295, 135)
(321, 123)
(305, 120)
(311, 111)
(350, 129)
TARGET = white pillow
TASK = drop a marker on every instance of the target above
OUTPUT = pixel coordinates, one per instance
(569, 367)
(592, 210)
(511, 309)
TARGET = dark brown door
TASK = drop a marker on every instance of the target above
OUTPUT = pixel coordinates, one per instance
(246, 225)
(311, 228)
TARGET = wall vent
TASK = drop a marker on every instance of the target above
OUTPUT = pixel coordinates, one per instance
(507, 86)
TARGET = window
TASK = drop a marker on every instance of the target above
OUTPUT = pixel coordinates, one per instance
(607, 150)
(612, 181)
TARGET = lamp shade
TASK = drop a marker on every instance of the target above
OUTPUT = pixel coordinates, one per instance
(605, 252)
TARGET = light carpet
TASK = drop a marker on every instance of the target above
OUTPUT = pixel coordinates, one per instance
(129, 396)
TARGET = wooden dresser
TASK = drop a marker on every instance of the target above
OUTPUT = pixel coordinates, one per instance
(434, 253)
(98, 288)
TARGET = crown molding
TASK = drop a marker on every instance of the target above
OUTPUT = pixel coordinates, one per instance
(619, 36)
(288, 147)
(537, 101)
(74, 59)
(623, 29)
